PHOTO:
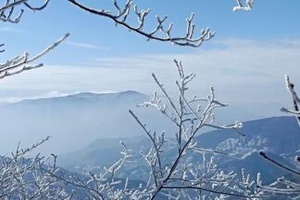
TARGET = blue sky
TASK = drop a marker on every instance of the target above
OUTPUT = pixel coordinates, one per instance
(246, 60)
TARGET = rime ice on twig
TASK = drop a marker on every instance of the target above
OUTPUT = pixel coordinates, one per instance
(24, 63)
(290, 188)
(104, 185)
(7, 11)
(291, 88)
(24, 178)
(21, 63)
(177, 178)
(160, 32)
(246, 7)
(282, 185)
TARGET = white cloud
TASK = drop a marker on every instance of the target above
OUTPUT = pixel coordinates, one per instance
(84, 45)
(240, 62)
(9, 29)
(246, 72)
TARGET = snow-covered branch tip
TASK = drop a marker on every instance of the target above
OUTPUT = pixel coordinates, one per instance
(161, 31)
(23, 63)
(22, 151)
(247, 6)
(291, 88)
(8, 10)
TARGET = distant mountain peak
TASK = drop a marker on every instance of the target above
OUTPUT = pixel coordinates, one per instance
(86, 96)
(93, 94)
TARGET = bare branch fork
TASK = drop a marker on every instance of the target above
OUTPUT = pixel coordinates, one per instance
(123, 13)
(24, 62)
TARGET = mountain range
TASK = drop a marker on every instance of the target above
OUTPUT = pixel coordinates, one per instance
(87, 128)
(277, 136)
(73, 121)
(76, 120)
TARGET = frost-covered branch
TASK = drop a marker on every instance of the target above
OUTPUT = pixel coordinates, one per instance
(99, 186)
(23, 178)
(250, 188)
(161, 32)
(282, 185)
(178, 177)
(265, 156)
(247, 6)
(24, 62)
(291, 88)
(8, 13)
